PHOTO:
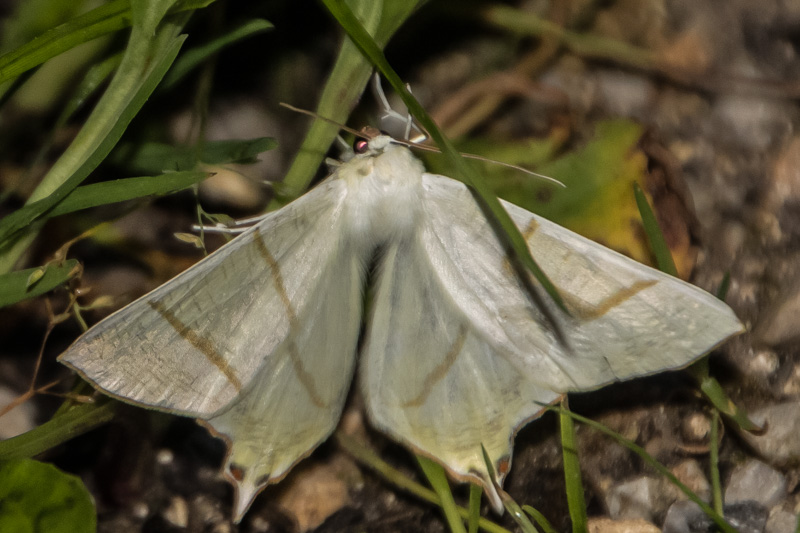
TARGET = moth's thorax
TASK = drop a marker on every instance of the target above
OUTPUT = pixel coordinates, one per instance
(384, 191)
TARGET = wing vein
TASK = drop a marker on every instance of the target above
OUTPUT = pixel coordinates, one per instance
(305, 377)
(198, 341)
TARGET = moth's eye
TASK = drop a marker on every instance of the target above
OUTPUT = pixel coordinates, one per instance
(360, 146)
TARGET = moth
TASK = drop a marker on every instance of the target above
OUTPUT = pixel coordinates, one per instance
(258, 341)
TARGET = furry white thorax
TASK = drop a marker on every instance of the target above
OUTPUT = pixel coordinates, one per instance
(383, 193)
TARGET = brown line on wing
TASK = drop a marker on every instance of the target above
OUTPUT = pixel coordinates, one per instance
(305, 378)
(591, 312)
(527, 233)
(201, 343)
(441, 370)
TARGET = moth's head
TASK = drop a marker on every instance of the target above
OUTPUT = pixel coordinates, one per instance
(372, 142)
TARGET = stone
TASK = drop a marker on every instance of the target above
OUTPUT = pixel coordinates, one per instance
(755, 481)
(779, 443)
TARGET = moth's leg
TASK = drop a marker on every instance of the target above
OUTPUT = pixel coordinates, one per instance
(389, 113)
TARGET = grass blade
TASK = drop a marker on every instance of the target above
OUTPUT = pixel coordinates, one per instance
(572, 471)
(438, 480)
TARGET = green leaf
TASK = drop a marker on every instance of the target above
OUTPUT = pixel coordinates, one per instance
(102, 20)
(157, 157)
(714, 392)
(74, 421)
(109, 192)
(122, 190)
(572, 472)
(515, 511)
(540, 519)
(475, 493)
(40, 498)
(20, 285)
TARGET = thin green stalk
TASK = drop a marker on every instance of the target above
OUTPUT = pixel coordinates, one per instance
(475, 493)
(572, 471)
(438, 480)
(716, 485)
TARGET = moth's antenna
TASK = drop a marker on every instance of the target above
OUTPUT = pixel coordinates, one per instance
(426, 148)
(412, 144)
(325, 119)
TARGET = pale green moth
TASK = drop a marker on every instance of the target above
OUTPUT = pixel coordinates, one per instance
(258, 341)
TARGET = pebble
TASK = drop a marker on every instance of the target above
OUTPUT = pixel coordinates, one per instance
(640, 498)
(781, 521)
(687, 517)
(177, 514)
(691, 474)
(751, 122)
(606, 525)
(779, 443)
(780, 318)
(755, 481)
(764, 363)
(747, 517)
(696, 427)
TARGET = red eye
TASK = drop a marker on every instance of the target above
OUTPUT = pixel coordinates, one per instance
(361, 146)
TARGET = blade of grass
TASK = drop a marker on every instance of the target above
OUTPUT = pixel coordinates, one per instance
(438, 480)
(587, 45)
(509, 233)
(109, 192)
(475, 493)
(654, 236)
(539, 518)
(102, 20)
(572, 471)
(75, 421)
(152, 158)
(714, 392)
(716, 485)
(516, 513)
